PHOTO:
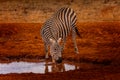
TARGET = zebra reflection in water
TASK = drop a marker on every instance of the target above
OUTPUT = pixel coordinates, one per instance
(62, 67)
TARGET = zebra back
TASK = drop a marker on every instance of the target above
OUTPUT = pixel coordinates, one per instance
(59, 25)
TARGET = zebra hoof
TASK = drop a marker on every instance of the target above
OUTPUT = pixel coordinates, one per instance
(46, 57)
(77, 52)
(53, 61)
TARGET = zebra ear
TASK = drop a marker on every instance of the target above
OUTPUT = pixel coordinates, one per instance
(59, 40)
(52, 41)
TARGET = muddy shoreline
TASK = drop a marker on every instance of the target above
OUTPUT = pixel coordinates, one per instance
(71, 75)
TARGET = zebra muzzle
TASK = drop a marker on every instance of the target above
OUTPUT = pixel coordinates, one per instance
(59, 60)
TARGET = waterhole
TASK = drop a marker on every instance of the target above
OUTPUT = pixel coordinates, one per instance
(36, 67)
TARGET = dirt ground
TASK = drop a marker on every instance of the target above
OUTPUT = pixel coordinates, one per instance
(71, 75)
(100, 44)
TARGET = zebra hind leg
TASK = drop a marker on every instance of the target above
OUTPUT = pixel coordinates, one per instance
(74, 41)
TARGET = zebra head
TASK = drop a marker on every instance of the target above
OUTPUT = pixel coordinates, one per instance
(55, 50)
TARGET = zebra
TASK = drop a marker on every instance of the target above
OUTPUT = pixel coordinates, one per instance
(55, 31)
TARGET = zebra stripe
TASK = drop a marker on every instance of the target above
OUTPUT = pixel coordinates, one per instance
(59, 25)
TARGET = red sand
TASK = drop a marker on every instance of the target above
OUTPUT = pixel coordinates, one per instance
(99, 45)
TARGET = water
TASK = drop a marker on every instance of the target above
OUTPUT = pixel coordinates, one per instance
(38, 67)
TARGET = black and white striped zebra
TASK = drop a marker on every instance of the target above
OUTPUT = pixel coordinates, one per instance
(56, 29)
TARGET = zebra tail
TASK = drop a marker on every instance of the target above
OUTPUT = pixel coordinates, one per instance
(77, 32)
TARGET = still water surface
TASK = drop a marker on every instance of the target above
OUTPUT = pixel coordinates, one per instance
(35, 67)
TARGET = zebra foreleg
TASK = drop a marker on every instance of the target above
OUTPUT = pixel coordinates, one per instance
(53, 60)
(63, 43)
(74, 41)
(46, 51)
